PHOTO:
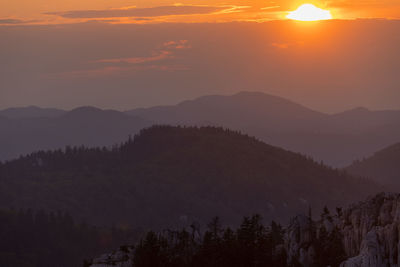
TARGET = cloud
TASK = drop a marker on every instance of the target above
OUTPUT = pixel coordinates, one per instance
(127, 65)
(165, 52)
(232, 9)
(138, 12)
(354, 4)
(11, 21)
(181, 44)
(270, 7)
(160, 55)
(117, 71)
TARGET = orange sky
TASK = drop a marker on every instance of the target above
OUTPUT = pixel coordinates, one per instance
(148, 11)
(330, 65)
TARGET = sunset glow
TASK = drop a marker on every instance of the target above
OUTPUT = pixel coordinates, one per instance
(138, 132)
(309, 12)
(45, 12)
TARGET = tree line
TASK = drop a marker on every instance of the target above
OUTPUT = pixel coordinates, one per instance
(251, 245)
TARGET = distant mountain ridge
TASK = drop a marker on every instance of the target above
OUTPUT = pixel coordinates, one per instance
(31, 112)
(82, 126)
(166, 175)
(336, 139)
(238, 110)
(362, 119)
(382, 167)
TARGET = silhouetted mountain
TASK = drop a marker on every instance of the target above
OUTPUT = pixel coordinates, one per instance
(361, 119)
(167, 175)
(93, 113)
(31, 112)
(83, 126)
(383, 166)
(336, 139)
(242, 111)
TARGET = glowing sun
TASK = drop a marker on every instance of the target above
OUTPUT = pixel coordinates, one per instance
(309, 12)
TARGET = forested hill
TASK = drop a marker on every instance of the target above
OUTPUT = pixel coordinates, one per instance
(382, 167)
(168, 175)
(336, 139)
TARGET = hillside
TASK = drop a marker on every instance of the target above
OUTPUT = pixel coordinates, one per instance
(170, 175)
(336, 139)
(382, 167)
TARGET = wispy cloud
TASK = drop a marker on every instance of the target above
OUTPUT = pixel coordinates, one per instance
(181, 44)
(359, 3)
(270, 7)
(118, 71)
(232, 9)
(138, 12)
(126, 65)
(160, 55)
(166, 51)
(11, 21)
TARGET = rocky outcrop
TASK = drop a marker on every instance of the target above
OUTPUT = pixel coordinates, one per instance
(299, 241)
(369, 232)
(366, 234)
(123, 257)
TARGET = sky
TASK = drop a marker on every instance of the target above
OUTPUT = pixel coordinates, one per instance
(151, 11)
(126, 54)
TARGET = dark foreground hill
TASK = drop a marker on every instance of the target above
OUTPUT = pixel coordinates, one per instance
(383, 167)
(168, 175)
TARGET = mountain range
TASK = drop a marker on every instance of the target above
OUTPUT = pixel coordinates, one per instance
(336, 139)
(82, 126)
(31, 112)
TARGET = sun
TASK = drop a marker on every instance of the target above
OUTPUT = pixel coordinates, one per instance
(309, 12)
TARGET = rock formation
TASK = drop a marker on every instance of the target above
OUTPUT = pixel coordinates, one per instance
(365, 234)
(369, 232)
(119, 258)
